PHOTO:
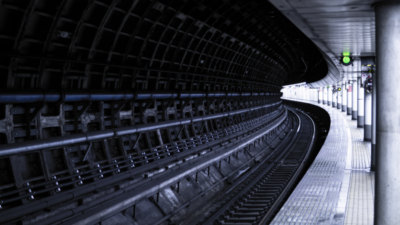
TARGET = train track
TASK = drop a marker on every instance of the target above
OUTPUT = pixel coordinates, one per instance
(180, 151)
(256, 199)
(252, 196)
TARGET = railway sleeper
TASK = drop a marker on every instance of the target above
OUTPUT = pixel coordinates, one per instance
(245, 210)
(236, 214)
(241, 219)
(255, 205)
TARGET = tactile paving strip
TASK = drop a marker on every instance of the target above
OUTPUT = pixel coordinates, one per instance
(360, 202)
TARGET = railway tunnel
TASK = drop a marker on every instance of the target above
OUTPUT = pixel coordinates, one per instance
(196, 112)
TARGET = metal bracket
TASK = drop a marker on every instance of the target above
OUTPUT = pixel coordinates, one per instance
(115, 111)
(86, 157)
(169, 103)
(202, 126)
(137, 140)
(79, 113)
(84, 108)
(180, 131)
(29, 119)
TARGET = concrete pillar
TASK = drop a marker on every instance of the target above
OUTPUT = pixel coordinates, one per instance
(307, 94)
(349, 98)
(339, 97)
(324, 95)
(373, 141)
(320, 93)
(360, 102)
(344, 98)
(334, 99)
(387, 180)
(368, 116)
(329, 90)
(354, 101)
(315, 95)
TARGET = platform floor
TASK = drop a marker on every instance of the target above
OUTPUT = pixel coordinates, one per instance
(338, 187)
(360, 201)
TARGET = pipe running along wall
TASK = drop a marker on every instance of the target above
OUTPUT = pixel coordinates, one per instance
(29, 146)
(53, 96)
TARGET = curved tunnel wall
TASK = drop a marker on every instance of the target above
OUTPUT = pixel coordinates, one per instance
(151, 63)
(110, 44)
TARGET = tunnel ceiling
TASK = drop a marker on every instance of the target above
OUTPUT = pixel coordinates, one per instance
(152, 45)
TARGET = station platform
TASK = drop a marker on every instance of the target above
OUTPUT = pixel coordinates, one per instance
(338, 188)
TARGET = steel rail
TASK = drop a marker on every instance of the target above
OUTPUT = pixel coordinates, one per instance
(273, 200)
(131, 163)
(278, 202)
(265, 169)
(169, 215)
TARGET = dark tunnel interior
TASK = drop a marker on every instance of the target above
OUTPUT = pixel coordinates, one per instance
(146, 111)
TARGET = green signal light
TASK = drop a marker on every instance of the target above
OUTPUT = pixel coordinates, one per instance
(346, 59)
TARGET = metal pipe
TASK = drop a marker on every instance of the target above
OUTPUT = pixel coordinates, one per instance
(29, 146)
(324, 95)
(53, 96)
